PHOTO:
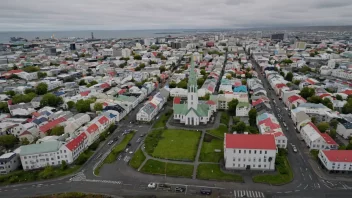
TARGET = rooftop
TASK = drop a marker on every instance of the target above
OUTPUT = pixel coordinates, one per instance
(251, 141)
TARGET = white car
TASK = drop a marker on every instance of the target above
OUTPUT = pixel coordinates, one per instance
(152, 185)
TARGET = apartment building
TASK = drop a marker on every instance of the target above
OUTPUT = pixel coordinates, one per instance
(9, 162)
(314, 139)
(336, 160)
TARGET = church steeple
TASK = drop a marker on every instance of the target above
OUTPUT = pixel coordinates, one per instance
(192, 96)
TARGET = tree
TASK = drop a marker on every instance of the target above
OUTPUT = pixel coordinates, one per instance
(24, 141)
(172, 84)
(47, 173)
(244, 82)
(332, 133)
(41, 89)
(4, 108)
(203, 72)
(19, 98)
(307, 92)
(248, 75)
(287, 61)
(228, 76)
(200, 82)
(154, 47)
(70, 104)
(327, 102)
(232, 106)
(182, 84)
(51, 100)
(315, 99)
(82, 83)
(92, 83)
(142, 65)
(305, 69)
(8, 141)
(296, 82)
(293, 106)
(334, 123)
(27, 91)
(41, 74)
(347, 108)
(323, 126)
(98, 106)
(240, 127)
(339, 97)
(31, 69)
(314, 119)
(162, 69)
(57, 130)
(83, 106)
(137, 69)
(289, 76)
(137, 57)
(63, 165)
(221, 92)
(252, 114)
(10, 93)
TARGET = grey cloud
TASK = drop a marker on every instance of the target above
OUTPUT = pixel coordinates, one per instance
(17, 15)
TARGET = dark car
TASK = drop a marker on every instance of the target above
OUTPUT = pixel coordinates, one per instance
(116, 138)
(142, 135)
(129, 144)
(205, 191)
(180, 189)
(164, 187)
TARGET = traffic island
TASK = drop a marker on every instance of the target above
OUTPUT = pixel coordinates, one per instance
(137, 159)
(213, 172)
(156, 167)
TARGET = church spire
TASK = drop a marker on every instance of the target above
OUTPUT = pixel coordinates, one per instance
(192, 79)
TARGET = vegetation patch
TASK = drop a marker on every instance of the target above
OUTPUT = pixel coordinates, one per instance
(177, 145)
(161, 122)
(213, 172)
(219, 132)
(225, 118)
(137, 159)
(170, 169)
(73, 195)
(208, 153)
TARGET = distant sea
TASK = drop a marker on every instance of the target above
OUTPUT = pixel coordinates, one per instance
(99, 34)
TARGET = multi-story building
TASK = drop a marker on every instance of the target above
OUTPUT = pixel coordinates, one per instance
(242, 109)
(336, 160)
(9, 162)
(317, 140)
(126, 52)
(249, 152)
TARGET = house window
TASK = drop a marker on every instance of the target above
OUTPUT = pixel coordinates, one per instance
(234, 151)
(260, 152)
(255, 151)
(244, 151)
(266, 152)
(249, 151)
(239, 151)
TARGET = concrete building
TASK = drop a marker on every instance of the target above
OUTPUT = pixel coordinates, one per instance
(9, 162)
(242, 109)
(249, 152)
(336, 160)
(126, 52)
(344, 128)
(314, 139)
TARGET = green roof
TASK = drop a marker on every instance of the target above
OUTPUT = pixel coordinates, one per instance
(180, 109)
(202, 110)
(242, 104)
(126, 98)
(45, 147)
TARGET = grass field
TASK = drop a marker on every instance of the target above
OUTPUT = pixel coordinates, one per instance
(207, 153)
(161, 122)
(213, 172)
(177, 145)
(137, 159)
(159, 168)
(283, 176)
(225, 118)
(219, 132)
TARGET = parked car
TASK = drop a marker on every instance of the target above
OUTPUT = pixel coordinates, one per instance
(142, 135)
(112, 141)
(164, 187)
(116, 138)
(294, 148)
(180, 189)
(205, 191)
(152, 185)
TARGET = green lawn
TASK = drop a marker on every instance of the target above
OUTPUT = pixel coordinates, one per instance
(207, 153)
(158, 168)
(213, 172)
(225, 118)
(314, 153)
(161, 122)
(137, 159)
(283, 176)
(177, 145)
(115, 152)
(219, 132)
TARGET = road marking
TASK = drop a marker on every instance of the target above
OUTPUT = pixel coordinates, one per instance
(279, 192)
(288, 192)
(196, 186)
(310, 177)
(297, 190)
(15, 189)
(327, 186)
(24, 188)
(299, 185)
(306, 187)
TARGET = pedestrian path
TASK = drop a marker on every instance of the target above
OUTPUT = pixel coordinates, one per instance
(78, 177)
(248, 193)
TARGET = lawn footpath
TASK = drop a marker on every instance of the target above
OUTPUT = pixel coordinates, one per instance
(283, 168)
(173, 144)
(210, 144)
(115, 152)
(213, 172)
(171, 169)
(219, 132)
(137, 159)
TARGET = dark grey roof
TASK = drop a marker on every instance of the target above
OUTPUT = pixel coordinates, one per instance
(345, 123)
(7, 157)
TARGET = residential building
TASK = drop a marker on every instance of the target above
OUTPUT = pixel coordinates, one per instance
(242, 109)
(314, 139)
(344, 128)
(9, 162)
(336, 160)
(249, 152)
(126, 52)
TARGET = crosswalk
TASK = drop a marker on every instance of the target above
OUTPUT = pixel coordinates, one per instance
(79, 177)
(127, 158)
(103, 181)
(248, 193)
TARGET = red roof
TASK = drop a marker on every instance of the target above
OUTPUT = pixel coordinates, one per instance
(269, 123)
(122, 91)
(347, 92)
(155, 54)
(177, 100)
(46, 127)
(251, 141)
(210, 102)
(324, 95)
(256, 102)
(85, 93)
(36, 114)
(104, 85)
(328, 139)
(73, 144)
(293, 98)
(310, 81)
(280, 85)
(153, 104)
(338, 155)
(92, 128)
(9, 73)
(211, 88)
(103, 120)
(313, 126)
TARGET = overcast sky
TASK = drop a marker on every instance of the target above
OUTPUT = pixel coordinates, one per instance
(22, 15)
